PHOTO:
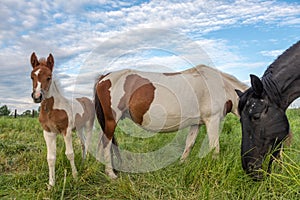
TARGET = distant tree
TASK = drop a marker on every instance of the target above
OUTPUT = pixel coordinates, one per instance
(4, 111)
(26, 113)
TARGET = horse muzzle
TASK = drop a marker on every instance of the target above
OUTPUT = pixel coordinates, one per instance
(255, 172)
(37, 97)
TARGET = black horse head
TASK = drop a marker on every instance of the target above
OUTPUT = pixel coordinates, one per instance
(264, 125)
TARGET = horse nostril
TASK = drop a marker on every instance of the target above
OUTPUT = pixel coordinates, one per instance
(36, 99)
(254, 172)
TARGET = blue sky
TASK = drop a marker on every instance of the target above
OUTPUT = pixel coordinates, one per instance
(239, 37)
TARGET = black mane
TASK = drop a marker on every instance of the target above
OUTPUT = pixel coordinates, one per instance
(282, 77)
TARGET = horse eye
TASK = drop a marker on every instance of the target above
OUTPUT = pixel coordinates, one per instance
(49, 78)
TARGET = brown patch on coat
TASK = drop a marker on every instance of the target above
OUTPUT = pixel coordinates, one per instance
(228, 107)
(103, 93)
(88, 114)
(53, 120)
(171, 74)
(139, 94)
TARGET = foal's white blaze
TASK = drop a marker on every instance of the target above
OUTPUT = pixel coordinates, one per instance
(37, 90)
(37, 72)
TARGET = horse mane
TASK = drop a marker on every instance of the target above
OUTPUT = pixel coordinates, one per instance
(287, 61)
(282, 59)
(57, 85)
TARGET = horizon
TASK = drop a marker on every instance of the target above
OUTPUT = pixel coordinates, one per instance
(88, 38)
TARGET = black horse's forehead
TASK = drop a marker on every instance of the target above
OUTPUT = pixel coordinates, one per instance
(254, 103)
(250, 101)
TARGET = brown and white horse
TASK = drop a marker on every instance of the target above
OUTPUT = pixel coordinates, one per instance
(165, 102)
(59, 115)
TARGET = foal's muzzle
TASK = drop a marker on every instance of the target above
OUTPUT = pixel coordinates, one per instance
(37, 98)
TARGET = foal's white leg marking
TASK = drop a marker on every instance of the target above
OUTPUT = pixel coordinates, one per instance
(190, 141)
(108, 161)
(50, 139)
(70, 152)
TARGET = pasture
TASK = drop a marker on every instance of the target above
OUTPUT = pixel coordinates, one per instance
(24, 169)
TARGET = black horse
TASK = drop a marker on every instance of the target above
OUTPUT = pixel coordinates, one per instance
(262, 108)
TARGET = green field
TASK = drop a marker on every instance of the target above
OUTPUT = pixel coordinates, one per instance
(24, 169)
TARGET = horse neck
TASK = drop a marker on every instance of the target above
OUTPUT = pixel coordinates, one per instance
(282, 79)
(231, 84)
(54, 91)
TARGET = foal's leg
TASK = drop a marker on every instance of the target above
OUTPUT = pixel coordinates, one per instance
(190, 141)
(50, 139)
(70, 152)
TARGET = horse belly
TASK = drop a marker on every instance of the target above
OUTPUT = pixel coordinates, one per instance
(170, 111)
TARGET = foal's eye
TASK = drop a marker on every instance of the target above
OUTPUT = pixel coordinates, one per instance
(49, 78)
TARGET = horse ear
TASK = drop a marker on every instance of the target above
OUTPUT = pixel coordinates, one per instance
(33, 60)
(257, 85)
(239, 92)
(50, 62)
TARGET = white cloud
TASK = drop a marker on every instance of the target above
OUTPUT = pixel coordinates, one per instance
(71, 29)
(272, 53)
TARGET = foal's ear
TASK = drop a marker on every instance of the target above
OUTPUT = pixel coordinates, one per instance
(50, 62)
(257, 85)
(239, 92)
(33, 60)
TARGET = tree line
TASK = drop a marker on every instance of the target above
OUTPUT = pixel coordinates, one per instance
(5, 111)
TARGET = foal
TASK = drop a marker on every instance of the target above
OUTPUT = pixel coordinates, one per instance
(59, 115)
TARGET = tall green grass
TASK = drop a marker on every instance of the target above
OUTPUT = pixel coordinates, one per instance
(24, 169)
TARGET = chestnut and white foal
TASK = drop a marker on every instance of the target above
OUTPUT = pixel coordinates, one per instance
(59, 115)
(165, 102)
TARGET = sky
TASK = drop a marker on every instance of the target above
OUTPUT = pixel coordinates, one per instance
(88, 38)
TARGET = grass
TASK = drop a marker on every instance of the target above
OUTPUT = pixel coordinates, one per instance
(24, 169)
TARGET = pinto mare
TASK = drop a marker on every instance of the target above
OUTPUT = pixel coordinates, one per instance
(262, 108)
(165, 102)
(59, 115)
